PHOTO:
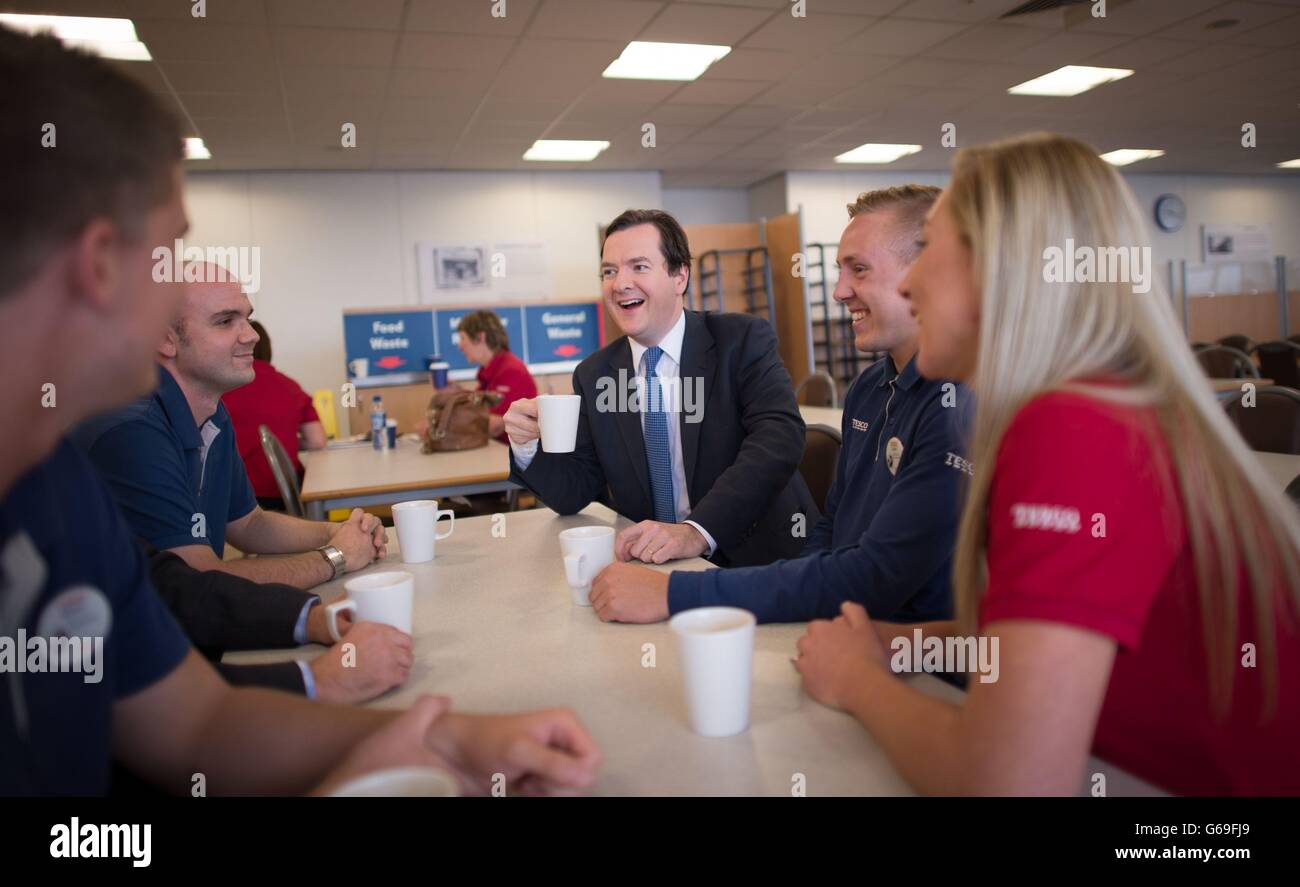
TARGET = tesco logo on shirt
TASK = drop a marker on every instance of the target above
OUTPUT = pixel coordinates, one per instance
(1056, 518)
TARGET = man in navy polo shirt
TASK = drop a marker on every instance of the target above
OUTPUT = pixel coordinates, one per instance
(885, 540)
(173, 465)
(80, 316)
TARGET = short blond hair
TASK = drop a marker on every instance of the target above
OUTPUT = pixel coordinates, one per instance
(908, 203)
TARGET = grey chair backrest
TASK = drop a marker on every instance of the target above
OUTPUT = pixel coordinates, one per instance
(1272, 424)
(281, 466)
(1280, 361)
(1222, 362)
(817, 390)
(1238, 341)
(821, 455)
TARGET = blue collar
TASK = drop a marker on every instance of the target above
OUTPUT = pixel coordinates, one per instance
(906, 379)
(178, 412)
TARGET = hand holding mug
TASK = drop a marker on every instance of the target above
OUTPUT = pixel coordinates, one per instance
(521, 421)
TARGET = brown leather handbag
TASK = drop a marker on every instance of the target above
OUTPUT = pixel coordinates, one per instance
(458, 420)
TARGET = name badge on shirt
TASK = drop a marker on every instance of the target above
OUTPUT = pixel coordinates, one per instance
(893, 454)
(81, 611)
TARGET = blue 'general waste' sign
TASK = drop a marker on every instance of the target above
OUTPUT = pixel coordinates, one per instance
(561, 333)
(391, 341)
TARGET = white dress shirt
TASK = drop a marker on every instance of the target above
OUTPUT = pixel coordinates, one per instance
(668, 369)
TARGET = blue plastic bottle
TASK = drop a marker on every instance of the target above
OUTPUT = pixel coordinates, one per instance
(378, 423)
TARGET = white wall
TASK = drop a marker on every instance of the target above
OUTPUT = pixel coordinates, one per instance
(824, 196)
(1246, 200)
(336, 240)
(769, 198)
(707, 206)
(1234, 200)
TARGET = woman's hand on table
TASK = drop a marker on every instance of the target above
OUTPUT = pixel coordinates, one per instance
(837, 657)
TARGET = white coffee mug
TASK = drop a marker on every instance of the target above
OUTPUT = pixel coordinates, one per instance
(557, 417)
(359, 367)
(377, 597)
(416, 523)
(717, 650)
(587, 551)
(400, 782)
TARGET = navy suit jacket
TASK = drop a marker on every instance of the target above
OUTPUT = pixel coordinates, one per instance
(741, 461)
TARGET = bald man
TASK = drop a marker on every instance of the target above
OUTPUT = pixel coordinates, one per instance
(172, 464)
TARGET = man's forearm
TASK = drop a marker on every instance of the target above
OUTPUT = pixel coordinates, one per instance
(266, 742)
(274, 533)
(306, 570)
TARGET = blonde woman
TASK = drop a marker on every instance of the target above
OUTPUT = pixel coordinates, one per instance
(1134, 563)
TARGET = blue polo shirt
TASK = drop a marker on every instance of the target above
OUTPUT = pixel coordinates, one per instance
(178, 484)
(70, 567)
(886, 537)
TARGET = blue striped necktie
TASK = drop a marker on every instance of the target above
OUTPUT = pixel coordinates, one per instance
(657, 453)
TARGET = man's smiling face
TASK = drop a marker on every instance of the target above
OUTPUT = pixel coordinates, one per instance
(870, 272)
(640, 292)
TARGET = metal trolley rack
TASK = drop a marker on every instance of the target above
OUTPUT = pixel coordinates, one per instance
(832, 337)
(757, 276)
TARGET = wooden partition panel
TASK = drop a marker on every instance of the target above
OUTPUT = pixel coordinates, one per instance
(1210, 318)
(784, 239)
(703, 238)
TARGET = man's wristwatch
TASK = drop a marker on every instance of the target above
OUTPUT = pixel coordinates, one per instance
(338, 563)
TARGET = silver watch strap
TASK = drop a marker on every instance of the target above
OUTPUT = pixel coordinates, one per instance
(338, 563)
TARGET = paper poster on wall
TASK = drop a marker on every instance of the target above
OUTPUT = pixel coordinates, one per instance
(387, 345)
(501, 272)
(522, 269)
(1236, 243)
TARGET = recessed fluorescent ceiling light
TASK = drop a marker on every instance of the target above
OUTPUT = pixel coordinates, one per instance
(1125, 156)
(564, 149)
(196, 150)
(876, 153)
(1070, 80)
(1290, 164)
(111, 38)
(664, 61)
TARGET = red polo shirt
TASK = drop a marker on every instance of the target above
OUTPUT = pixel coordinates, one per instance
(506, 375)
(1066, 463)
(278, 402)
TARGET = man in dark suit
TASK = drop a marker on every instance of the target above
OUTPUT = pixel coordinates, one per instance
(704, 452)
(220, 612)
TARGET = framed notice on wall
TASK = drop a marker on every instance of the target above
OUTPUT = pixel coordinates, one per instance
(484, 272)
(1236, 243)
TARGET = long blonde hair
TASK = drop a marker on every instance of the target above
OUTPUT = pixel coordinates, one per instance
(1011, 201)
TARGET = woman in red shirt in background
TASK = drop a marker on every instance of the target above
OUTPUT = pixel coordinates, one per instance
(278, 402)
(483, 340)
(1138, 569)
